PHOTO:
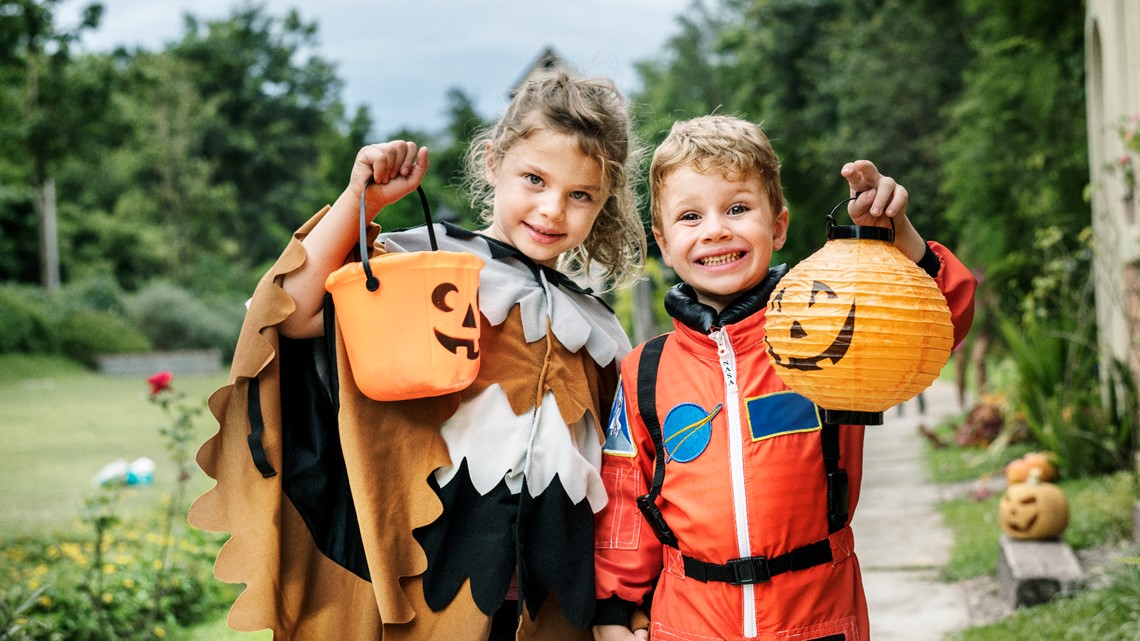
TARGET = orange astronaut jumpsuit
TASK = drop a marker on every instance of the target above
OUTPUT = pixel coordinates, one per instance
(745, 477)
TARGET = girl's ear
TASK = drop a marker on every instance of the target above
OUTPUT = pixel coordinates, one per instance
(490, 169)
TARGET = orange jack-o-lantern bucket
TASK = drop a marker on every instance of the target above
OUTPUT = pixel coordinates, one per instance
(410, 320)
(857, 327)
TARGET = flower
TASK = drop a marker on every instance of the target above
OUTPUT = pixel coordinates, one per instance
(160, 382)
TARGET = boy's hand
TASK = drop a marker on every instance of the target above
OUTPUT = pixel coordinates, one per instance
(619, 633)
(882, 200)
(396, 169)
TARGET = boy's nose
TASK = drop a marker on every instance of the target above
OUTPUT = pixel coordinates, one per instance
(714, 228)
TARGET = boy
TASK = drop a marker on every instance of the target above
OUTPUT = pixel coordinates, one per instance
(752, 549)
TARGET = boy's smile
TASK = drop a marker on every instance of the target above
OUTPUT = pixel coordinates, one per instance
(717, 234)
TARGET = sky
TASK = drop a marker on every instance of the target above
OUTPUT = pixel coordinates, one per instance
(399, 57)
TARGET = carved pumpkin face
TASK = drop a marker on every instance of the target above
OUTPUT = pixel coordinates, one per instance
(1033, 510)
(459, 321)
(830, 334)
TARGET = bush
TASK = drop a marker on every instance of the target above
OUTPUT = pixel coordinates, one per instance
(172, 318)
(83, 334)
(24, 324)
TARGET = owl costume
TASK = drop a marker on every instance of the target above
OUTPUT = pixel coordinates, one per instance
(411, 520)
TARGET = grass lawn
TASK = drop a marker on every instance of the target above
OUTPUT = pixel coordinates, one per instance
(61, 423)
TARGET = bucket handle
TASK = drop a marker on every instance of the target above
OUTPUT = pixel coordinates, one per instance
(370, 281)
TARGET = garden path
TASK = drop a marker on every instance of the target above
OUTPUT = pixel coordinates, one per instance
(899, 536)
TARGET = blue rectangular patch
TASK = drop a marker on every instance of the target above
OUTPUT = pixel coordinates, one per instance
(781, 413)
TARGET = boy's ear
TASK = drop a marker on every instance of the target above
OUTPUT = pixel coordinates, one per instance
(780, 229)
(663, 244)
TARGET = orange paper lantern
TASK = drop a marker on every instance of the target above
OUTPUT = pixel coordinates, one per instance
(857, 327)
(410, 320)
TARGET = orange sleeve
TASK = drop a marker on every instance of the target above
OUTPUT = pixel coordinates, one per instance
(957, 284)
(627, 555)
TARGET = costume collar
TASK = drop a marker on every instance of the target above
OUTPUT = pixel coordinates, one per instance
(500, 250)
(682, 304)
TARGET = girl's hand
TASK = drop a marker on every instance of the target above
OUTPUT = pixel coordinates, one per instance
(880, 198)
(619, 633)
(396, 169)
(882, 201)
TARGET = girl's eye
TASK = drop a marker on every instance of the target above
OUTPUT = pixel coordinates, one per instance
(534, 180)
(580, 195)
(737, 209)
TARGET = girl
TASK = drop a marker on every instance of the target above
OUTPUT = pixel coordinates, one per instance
(446, 517)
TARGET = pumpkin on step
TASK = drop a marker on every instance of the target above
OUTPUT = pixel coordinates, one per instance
(1017, 471)
(1033, 510)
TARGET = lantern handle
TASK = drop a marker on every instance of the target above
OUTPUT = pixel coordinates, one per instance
(370, 281)
(860, 232)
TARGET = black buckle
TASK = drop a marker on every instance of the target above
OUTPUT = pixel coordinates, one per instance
(749, 570)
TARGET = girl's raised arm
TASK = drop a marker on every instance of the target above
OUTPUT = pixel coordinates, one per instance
(396, 168)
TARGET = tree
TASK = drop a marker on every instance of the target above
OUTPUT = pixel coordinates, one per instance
(57, 106)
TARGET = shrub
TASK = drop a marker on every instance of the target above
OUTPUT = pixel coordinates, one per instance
(172, 318)
(24, 324)
(83, 334)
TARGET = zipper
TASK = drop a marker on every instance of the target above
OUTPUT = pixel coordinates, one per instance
(727, 359)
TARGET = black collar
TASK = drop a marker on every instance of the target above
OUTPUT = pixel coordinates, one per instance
(682, 304)
(500, 250)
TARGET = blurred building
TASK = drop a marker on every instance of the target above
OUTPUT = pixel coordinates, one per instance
(1112, 59)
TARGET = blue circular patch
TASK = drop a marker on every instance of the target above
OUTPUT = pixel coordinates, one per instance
(687, 431)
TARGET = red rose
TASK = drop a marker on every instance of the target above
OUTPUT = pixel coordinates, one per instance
(160, 382)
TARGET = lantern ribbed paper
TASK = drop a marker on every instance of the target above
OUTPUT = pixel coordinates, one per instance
(858, 327)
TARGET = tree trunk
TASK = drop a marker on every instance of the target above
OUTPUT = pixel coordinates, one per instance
(643, 325)
(43, 199)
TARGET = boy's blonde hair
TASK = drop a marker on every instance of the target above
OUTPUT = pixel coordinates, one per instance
(595, 113)
(730, 146)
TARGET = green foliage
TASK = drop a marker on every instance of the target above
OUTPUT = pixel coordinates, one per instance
(32, 321)
(1053, 349)
(116, 579)
(173, 318)
(1106, 614)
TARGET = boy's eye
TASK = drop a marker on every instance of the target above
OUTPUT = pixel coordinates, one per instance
(688, 216)
(532, 179)
(737, 209)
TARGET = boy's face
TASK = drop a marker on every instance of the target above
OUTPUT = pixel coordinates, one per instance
(717, 234)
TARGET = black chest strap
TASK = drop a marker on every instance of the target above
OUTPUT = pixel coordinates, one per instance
(747, 570)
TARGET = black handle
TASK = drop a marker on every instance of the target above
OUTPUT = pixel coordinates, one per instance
(370, 281)
(860, 232)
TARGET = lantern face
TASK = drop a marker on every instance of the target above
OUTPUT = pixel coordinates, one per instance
(1033, 511)
(857, 326)
(804, 351)
(460, 328)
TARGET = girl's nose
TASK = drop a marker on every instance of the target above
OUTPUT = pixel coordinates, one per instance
(553, 206)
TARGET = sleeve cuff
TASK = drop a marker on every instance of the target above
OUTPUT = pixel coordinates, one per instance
(613, 611)
(930, 262)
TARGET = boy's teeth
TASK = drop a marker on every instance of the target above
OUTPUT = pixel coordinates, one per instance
(713, 261)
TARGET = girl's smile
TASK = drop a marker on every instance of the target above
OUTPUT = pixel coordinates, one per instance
(547, 196)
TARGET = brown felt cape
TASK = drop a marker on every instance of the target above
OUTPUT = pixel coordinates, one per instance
(389, 450)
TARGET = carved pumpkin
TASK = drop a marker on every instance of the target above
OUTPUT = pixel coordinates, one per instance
(1018, 470)
(1033, 510)
(857, 326)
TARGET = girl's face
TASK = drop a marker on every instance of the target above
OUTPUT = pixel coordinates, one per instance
(547, 195)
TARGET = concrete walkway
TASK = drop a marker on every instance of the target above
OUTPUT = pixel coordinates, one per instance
(899, 536)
